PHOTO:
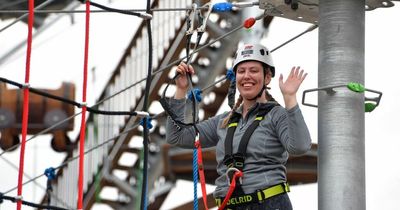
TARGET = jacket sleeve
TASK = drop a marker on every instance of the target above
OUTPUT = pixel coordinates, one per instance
(292, 130)
(184, 136)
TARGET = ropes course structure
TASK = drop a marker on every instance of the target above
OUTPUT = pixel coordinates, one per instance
(105, 136)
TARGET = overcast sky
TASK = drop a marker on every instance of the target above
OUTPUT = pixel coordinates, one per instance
(58, 54)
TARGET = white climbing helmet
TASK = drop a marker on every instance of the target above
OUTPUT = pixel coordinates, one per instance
(253, 52)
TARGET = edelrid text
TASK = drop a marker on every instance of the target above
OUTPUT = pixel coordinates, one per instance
(239, 200)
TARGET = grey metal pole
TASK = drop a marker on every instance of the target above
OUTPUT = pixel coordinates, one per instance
(341, 137)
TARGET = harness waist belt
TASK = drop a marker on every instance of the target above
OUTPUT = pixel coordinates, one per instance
(257, 196)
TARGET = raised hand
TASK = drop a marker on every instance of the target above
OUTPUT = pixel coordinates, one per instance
(181, 81)
(290, 87)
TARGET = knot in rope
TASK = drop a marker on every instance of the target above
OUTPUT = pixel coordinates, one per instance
(230, 75)
(197, 94)
(146, 120)
(50, 173)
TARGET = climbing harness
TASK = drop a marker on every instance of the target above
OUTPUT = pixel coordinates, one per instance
(235, 162)
(258, 196)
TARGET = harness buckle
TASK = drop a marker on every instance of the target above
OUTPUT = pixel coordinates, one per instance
(238, 161)
(228, 161)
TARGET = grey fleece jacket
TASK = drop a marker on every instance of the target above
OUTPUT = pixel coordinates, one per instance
(280, 133)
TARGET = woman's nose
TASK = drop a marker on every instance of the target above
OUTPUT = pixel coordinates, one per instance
(246, 74)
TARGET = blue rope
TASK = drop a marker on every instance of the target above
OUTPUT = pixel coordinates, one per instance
(230, 75)
(197, 94)
(195, 178)
(146, 120)
(50, 173)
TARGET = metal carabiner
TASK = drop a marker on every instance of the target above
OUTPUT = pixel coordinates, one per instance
(237, 172)
(204, 18)
(190, 19)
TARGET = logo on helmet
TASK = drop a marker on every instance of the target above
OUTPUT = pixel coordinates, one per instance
(248, 47)
(247, 53)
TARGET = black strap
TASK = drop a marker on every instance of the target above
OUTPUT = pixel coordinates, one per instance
(164, 103)
(247, 134)
(237, 160)
(233, 121)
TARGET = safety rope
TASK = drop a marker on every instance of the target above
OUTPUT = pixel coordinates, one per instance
(139, 178)
(143, 203)
(190, 20)
(81, 171)
(200, 169)
(19, 199)
(232, 186)
(195, 178)
(71, 102)
(25, 111)
(126, 12)
(57, 11)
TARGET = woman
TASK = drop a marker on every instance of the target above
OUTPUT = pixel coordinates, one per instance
(279, 131)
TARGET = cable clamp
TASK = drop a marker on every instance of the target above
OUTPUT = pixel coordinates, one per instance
(18, 198)
(26, 85)
(146, 16)
(142, 114)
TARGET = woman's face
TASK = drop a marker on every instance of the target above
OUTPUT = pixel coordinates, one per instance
(249, 78)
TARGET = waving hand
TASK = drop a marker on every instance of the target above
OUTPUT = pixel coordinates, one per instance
(290, 87)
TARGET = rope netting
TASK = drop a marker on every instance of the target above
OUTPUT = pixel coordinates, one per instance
(195, 94)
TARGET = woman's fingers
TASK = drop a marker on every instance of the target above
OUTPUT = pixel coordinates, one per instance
(301, 74)
(291, 74)
(183, 68)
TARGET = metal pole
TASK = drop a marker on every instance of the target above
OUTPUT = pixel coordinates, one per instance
(341, 158)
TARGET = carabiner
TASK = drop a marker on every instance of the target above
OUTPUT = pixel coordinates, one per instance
(237, 173)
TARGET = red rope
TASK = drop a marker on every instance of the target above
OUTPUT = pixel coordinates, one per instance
(83, 120)
(201, 173)
(232, 186)
(26, 102)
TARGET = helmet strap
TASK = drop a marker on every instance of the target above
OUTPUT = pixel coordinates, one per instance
(259, 93)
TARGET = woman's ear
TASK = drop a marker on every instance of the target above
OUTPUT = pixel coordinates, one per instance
(268, 77)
